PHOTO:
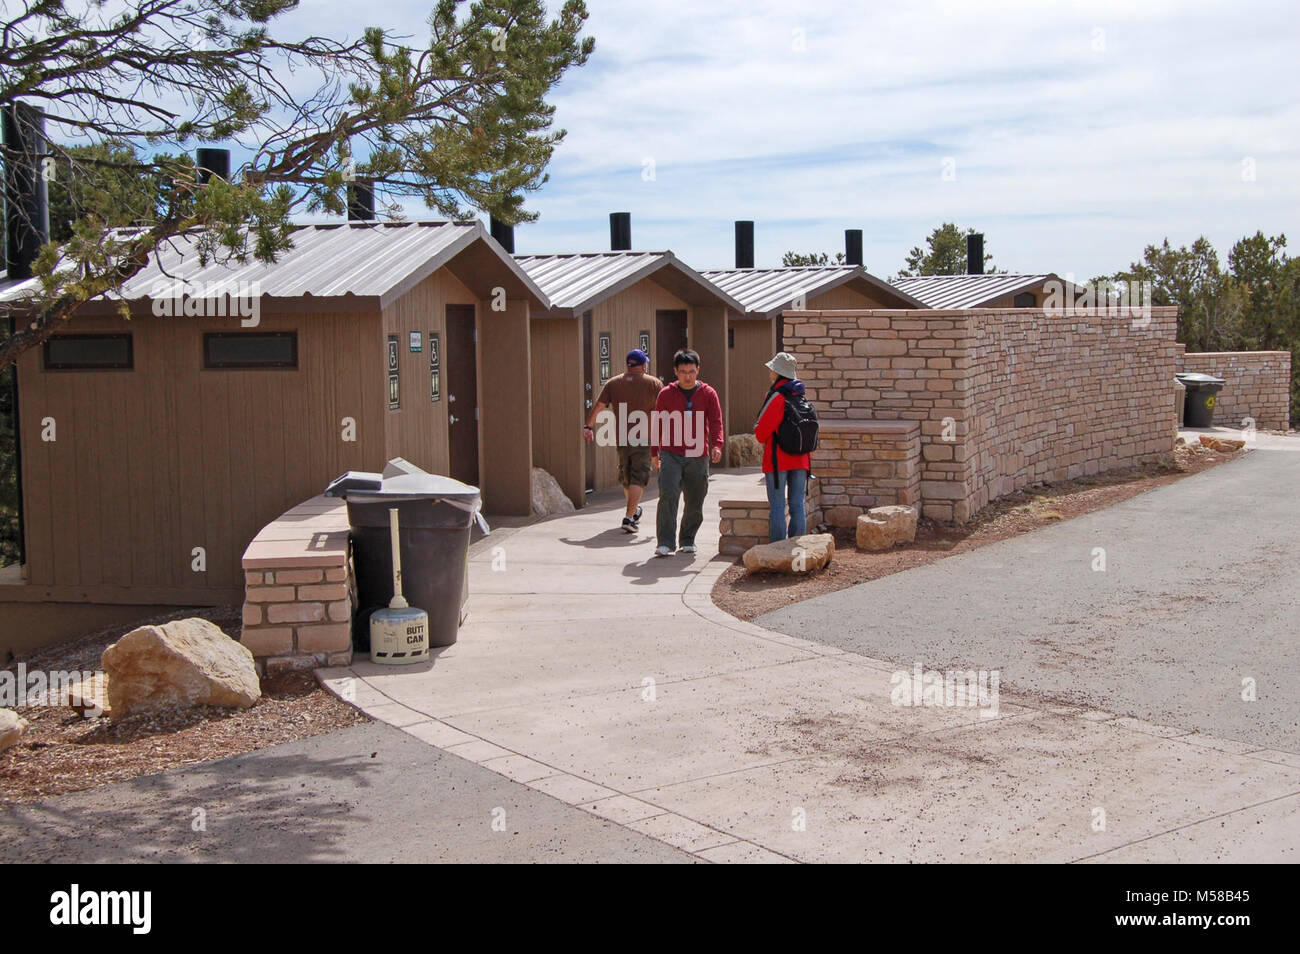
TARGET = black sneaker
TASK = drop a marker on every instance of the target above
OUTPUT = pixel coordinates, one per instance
(629, 525)
(636, 517)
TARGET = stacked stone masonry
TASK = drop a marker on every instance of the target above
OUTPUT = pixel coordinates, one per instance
(743, 522)
(299, 594)
(1257, 386)
(1003, 398)
(864, 464)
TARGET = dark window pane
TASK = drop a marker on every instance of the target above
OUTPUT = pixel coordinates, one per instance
(1025, 300)
(260, 350)
(72, 352)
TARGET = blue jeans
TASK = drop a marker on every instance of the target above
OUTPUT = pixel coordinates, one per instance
(793, 483)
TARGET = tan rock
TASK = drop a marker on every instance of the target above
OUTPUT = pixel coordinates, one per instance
(546, 496)
(186, 662)
(744, 450)
(1224, 444)
(883, 527)
(803, 554)
(12, 727)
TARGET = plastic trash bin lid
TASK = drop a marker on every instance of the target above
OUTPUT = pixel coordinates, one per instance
(401, 480)
(1192, 377)
(415, 487)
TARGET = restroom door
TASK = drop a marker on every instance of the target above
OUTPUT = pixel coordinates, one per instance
(670, 335)
(462, 393)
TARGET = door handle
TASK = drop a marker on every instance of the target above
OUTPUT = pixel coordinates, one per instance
(451, 418)
(588, 402)
(451, 397)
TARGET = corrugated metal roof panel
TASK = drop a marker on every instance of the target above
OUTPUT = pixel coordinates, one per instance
(967, 291)
(578, 280)
(360, 259)
(765, 291)
(571, 281)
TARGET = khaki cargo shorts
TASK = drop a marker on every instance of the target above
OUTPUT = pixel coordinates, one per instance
(633, 466)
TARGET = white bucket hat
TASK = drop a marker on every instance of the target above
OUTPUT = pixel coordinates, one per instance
(784, 365)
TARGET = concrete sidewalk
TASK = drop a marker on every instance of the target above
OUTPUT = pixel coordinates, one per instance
(596, 673)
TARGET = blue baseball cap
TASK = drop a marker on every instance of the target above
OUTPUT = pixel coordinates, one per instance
(637, 356)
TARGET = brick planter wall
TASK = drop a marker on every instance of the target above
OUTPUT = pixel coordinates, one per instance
(743, 521)
(864, 464)
(1257, 385)
(299, 593)
(1003, 397)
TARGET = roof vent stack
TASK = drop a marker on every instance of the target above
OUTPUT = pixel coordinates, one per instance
(27, 209)
(504, 234)
(620, 231)
(975, 253)
(361, 201)
(853, 246)
(212, 162)
(744, 244)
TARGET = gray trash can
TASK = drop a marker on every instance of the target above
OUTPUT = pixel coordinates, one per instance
(435, 515)
(1202, 395)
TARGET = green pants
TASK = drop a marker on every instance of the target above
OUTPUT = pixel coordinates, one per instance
(687, 477)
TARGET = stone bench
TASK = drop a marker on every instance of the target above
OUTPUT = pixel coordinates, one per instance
(299, 594)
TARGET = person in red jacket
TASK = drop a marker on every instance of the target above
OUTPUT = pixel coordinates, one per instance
(785, 474)
(685, 434)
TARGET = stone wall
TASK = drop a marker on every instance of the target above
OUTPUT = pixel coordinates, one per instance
(1002, 397)
(1257, 385)
(299, 592)
(863, 464)
(744, 518)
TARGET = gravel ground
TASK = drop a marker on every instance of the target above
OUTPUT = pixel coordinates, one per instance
(748, 596)
(62, 751)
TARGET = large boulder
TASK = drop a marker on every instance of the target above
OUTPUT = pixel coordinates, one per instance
(12, 726)
(883, 527)
(796, 555)
(744, 450)
(546, 495)
(187, 662)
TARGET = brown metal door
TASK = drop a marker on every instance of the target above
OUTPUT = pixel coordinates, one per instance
(670, 335)
(588, 397)
(462, 393)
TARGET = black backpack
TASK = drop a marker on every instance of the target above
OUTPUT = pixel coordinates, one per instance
(798, 431)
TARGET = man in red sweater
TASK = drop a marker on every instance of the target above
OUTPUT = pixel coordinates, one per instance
(685, 434)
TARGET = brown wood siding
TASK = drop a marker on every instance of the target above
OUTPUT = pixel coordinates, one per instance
(755, 343)
(843, 297)
(418, 431)
(624, 317)
(505, 420)
(152, 462)
(708, 336)
(558, 402)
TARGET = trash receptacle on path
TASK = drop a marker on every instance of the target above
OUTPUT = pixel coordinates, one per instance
(435, 514)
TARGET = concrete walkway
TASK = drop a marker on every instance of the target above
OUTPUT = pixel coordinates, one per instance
(607, 678)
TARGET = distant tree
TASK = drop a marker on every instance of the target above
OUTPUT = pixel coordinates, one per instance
(1191, 278)
(944, 254)
(800, 260)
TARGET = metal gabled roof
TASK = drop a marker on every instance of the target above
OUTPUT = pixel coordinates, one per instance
(371, 261)
(578, 281)
(968, 291)
(765, 292)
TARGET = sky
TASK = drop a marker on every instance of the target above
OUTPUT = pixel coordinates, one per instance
(1071, 134)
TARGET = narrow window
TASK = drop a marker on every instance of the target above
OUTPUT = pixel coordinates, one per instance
(89, 353)
(1025, 300)
(251, 350)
